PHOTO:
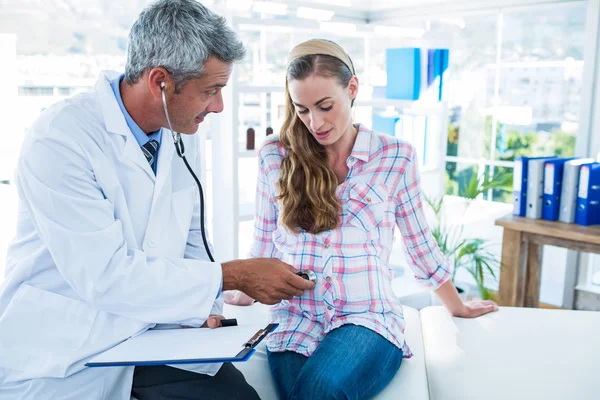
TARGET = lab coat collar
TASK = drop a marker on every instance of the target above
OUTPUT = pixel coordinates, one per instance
(115, 123)
(113, 117)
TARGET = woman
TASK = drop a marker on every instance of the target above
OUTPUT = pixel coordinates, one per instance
(329, 194)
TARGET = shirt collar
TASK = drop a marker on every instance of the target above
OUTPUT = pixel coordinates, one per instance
(141, 136)
(362, 145)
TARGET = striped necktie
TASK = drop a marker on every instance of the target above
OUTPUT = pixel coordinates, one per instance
(149, 150)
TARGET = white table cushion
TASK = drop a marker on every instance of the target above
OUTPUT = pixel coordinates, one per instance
(409, 383)
(516, 353)
(411, 380)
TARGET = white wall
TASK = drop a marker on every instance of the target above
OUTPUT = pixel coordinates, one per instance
(8, 221)
(11, 137)
(10, 144)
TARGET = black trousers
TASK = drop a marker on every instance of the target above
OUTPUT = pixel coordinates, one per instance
(161, 382)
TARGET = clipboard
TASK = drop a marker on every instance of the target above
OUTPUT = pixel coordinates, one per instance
(185, 346)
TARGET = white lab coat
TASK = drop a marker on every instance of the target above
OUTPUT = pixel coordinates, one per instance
(104, 250)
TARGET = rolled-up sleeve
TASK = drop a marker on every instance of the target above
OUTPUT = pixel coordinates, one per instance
(265, 217)
(426, 260)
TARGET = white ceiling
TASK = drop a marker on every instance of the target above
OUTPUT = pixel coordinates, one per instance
(363, 10)
(367, 6)
(379, 10)
(370, 5)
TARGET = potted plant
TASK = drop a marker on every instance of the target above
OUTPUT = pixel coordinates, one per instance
(471, 254)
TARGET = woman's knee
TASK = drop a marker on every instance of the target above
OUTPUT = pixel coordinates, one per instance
(324, 384)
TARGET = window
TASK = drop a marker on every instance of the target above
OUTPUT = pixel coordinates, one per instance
(495, 115)
(36, 91)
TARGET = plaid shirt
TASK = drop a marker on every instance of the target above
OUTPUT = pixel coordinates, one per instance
(351, 261)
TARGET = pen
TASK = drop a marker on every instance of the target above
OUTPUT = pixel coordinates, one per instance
(229, 322)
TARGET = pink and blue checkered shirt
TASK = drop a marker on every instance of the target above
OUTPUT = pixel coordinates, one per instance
(351, 262)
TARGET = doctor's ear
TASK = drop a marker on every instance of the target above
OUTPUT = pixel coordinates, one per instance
(159, 81)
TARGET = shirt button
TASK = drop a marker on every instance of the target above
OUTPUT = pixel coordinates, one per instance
(329, 308)
(368, 199)
(351, 159)
(151, 244)
(327, 246)
(328, 278)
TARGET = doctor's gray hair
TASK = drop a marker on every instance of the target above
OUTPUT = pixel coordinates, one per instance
(180, 36)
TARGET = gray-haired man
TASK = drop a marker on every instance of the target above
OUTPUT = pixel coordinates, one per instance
(109, 240)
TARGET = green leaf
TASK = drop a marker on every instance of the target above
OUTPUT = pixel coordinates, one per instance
(468, 253)
(478, 185)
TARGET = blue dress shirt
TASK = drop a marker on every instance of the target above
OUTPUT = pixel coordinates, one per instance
(141, 136)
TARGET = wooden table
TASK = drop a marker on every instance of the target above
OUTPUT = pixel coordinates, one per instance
(522, 244)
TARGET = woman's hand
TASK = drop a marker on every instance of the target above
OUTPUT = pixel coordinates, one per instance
(471, 309)
(474, 309)
(237, 298)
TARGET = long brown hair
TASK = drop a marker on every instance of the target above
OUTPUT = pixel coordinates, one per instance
(307, 183)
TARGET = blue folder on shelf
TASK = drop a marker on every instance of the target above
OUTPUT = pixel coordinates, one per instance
(437, 64)
(588, 196)
(520, 180)
(185, 346)
(553, 176)
(569, 186)
(403, 67)
(384, 124)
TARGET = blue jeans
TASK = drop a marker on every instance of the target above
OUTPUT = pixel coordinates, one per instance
(352, 362)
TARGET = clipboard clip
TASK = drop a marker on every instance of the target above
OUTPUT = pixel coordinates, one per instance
(259, 336)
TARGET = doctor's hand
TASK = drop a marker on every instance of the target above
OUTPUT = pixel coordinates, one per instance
(268, 280)
(213, 321)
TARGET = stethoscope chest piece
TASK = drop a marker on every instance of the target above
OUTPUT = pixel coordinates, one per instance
(308, 275)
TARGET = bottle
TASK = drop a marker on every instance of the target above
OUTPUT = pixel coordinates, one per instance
(250, 137)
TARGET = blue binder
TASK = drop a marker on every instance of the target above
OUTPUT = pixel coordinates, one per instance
(520, 184)
(440, 62)
(403, 68)
(553, 176)
(588, 196)
(384, 124)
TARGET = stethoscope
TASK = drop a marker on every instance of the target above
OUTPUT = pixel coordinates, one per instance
(181, 153)
(306, 274)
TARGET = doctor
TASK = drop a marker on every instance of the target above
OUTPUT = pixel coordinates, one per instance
(109, 239)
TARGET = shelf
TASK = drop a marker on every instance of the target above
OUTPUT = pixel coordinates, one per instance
(246, 218)
(260, 89)
(247, 153)
(420, 107)
(246, 212)
(384, 103)
(588, 287)
(584, 235)
(379, 102)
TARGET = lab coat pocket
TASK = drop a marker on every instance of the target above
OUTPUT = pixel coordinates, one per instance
(184, 202)
(365, 210)
(41, 332)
